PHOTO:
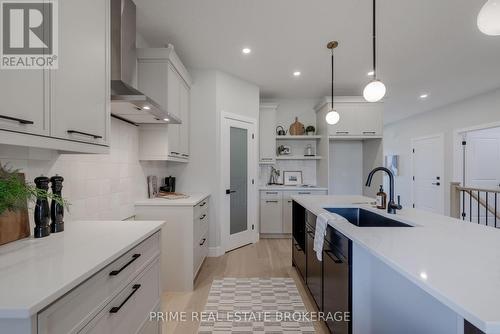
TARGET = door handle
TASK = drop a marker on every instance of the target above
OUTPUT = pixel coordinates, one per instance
(116, 272)
(229, 191)
(436, 184)
(84, 134)
(19, 120)
(117, 308)
(333, 256)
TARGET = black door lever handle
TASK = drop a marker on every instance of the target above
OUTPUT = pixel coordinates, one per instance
(229, 191)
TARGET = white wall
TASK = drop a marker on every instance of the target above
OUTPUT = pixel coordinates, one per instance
(98, 186)
(212, 92)
(482, 109)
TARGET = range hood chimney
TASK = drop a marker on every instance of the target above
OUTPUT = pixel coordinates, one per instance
(126, 101)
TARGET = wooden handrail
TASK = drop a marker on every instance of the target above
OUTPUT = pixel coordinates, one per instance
(455, 197)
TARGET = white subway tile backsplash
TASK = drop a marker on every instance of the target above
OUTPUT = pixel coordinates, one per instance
(98, 186)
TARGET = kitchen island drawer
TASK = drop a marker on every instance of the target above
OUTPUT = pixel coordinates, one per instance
(71, 313)
(201, 208)
(200, 224)
(126, 313)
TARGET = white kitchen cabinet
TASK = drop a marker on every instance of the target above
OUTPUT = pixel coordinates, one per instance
(68, 106)
(18, 113)
(184, 239)
(79, 87)
(267, 133)
(276, 210)
(358, 118)
(163, 77)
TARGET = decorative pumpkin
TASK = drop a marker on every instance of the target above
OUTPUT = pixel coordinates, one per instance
(297, 128)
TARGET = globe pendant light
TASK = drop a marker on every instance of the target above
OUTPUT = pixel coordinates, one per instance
(488, 20)
(332, 117)
(375, 90)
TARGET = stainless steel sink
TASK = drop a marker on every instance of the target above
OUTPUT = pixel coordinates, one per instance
(365, 218)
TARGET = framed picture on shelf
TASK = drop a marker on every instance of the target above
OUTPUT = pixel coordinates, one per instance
(292, 178)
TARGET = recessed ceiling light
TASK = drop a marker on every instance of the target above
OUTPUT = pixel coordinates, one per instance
(146, 107)
(370, 74)
(296, 74)
(424, 96)
(166, 119)
(246, 51)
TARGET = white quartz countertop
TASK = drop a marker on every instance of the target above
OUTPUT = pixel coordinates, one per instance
(36, 272)
(291, 188)
(192, 200)
(456, 262)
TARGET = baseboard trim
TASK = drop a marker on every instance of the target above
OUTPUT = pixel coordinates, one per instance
(215, 251)
(275, 236)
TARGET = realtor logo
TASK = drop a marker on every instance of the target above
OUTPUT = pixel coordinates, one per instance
(28, 34)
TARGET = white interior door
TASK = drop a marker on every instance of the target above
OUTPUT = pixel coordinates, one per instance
(482, 170)
(428, 170)
(238, 175)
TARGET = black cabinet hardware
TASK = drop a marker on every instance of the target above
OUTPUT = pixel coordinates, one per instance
(175, 153)
(229, 191)
(342, 132)
(436, 184)
(19, 120)
(304, 193)
(115, 309)
(271, 193)
(369, 132)
(203, 204)
(334, 257)
(116, 272)
(203, 241)
(203, 217)
(185, 155)
(271, 201)
(84, 134)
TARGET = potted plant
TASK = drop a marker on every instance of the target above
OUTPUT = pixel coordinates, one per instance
(310, 130)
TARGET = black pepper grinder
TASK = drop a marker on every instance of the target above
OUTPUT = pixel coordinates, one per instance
(56, 209)
(42, 212)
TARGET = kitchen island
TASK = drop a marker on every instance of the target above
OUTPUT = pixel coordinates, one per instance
(95, 277)
(445, 271)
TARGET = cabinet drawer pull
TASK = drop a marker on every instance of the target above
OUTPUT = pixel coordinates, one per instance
(267, 159)
(203, 241)
(84, 134)
(19, 120)
(271, 201)
(203, 204)
(203, 217)
(115, 309)
(185, 155)
(116, 272)
(271, 193)
(175, 153)
(333, 256)
(369, 132)
(304, 193)
(342, 132)
(290, 201)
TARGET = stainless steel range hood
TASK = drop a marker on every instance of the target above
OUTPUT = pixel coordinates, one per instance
(126, 101)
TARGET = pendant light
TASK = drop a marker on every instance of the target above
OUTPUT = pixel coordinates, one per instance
(488, 19)
(375, 90)
(332, 117)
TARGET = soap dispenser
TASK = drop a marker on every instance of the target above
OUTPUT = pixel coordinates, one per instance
(381, 199)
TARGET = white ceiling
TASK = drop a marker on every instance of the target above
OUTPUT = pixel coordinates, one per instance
(423, 46)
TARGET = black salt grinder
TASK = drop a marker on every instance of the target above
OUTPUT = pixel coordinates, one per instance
(56, 209)
(42, 213)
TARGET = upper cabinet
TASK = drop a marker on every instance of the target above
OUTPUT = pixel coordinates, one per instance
(267, 137)
(66, 108)
(163, 77)
(358, 118)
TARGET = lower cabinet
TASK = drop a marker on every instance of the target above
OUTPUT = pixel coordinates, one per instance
(117, 299)
(184, 238)
(314, 269)
(329, 281)
(276, 210)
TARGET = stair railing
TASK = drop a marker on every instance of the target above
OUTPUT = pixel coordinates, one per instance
(477, 205)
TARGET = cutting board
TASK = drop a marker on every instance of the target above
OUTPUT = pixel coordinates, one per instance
(14, 225)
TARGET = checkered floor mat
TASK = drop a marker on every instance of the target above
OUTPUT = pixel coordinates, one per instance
(255, 305)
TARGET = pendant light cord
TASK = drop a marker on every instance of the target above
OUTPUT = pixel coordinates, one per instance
(374, 42)
(332, 79)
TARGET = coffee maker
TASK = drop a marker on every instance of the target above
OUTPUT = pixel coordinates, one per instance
(169, 186)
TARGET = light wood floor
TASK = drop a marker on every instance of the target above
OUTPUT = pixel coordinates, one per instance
(267, 258)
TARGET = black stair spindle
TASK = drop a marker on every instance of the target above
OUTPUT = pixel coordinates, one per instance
(496, 203)
(470, 206)
(487, 208)
(478, 207)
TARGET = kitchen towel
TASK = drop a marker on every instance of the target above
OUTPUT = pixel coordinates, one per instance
(319, 236)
